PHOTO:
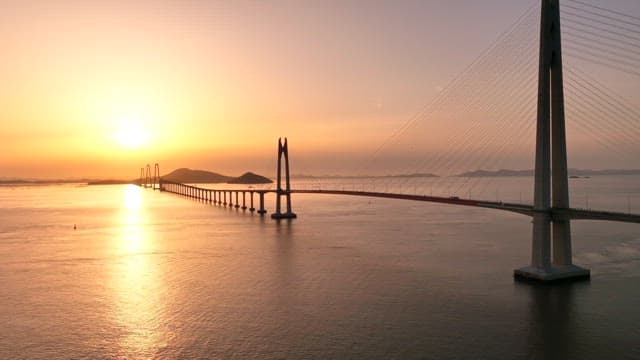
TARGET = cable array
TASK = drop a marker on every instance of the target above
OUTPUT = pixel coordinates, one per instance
(601, 36)
(485, 118)
(474, 113)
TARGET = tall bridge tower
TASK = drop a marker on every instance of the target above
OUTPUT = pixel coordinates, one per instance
(551, 245)
(283, 152)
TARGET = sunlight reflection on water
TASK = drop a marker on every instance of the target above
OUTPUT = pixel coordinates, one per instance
(136, 281)
(151, 275)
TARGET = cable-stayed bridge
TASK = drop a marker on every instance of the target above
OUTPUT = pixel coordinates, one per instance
(498, 107)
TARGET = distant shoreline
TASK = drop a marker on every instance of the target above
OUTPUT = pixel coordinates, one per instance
(573, 174)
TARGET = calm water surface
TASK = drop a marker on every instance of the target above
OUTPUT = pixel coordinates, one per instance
(150, 275)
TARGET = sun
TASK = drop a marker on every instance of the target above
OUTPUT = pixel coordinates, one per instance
(132, 135)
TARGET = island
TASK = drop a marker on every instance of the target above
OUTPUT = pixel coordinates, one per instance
(250, 178)
(189, 176)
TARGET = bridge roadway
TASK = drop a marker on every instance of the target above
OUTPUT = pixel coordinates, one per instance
(528, 210)
(577, 214)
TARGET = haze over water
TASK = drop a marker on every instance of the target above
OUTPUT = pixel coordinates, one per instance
(151, 275)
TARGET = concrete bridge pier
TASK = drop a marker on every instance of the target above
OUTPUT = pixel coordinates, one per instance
(261, 211)
(244, 200)
(237, 202)
(252, 209)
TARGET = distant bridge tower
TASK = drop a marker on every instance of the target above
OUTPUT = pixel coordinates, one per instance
(551, 178)
(147, 177)
(156, 177)
(283, 151)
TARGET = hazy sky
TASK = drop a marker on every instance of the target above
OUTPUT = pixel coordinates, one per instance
(100, 88)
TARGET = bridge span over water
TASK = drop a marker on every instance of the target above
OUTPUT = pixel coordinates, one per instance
(551, 213)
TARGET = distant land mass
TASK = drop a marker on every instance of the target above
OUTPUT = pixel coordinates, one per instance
(34, 182)
(184, 175)
(415, 175)
(572, 172)
(250, 178)
(112, 182)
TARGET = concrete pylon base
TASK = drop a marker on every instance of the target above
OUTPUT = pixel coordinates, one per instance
(279, 216)
(553, 274)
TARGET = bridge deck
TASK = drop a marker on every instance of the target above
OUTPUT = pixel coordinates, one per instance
(576, 214)
(523, 209)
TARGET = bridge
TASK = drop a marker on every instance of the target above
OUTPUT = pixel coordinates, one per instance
(551, 213)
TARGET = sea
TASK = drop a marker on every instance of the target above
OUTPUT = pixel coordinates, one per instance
(123, 272)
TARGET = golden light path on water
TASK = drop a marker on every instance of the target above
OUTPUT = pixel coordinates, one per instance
(155, 276)
(136, 280)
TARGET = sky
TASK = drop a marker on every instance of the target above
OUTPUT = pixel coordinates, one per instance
(101, 88)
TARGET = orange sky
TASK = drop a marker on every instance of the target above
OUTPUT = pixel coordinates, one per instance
(100, 88)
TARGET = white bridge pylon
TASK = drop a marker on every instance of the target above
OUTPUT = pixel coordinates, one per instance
(551, 255)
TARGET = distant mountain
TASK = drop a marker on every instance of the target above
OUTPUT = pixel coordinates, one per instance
(497, 173)
(587, 172)
(42, 181)
(250, 178)
(572, 172)
(189, 176)
(414, 175)
(113, 182)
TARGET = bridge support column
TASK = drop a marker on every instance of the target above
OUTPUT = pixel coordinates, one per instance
(237, 202)
(550, 263)
(244, 200)
(261, 211)
(283, 151)
(252, 209)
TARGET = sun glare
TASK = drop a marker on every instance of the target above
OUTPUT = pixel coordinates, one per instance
(132, 135)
